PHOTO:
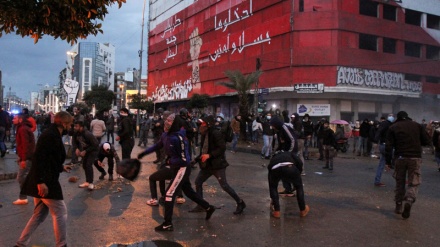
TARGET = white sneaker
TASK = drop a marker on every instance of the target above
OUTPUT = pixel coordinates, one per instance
(152, 202)
(84, 185)
(91, 187)
(20, 202)
(180, 200)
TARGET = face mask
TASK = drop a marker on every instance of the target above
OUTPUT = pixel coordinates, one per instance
(268, 117)
(391, 119)
(219, 119)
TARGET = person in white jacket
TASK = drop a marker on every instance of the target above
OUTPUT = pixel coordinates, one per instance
(257, 128)
(97, 127)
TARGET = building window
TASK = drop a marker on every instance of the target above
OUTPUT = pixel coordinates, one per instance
(87, 71)
(367, 42)
(368, 8)
(432, 52)
(413, 17)
(412, 77)
(389, 45)
(433, 22)
(389, 12)
(412, 49)
(432, 79)
(301, 5)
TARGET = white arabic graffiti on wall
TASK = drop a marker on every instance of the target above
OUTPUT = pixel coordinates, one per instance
(177, 90)
(376, 79)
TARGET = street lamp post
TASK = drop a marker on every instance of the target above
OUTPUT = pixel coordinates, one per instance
(140, 69)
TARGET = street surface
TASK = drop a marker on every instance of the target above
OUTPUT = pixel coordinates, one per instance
(346, 209)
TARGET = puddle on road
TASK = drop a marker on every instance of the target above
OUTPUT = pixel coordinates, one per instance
(153, 243)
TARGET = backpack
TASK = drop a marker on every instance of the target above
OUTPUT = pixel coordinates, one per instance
(227, 131)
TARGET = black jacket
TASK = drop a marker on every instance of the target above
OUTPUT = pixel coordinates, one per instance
(47, 164)
(407, 138)
(381, 133)
(285, 157)
(216, 150)
(125, 129)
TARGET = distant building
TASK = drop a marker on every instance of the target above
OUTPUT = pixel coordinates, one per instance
(88, 64)
(336, 59)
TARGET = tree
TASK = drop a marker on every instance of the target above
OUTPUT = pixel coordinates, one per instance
(99, 96)
(139, 102)
(242, 84)
(64, 19)
(198, 102)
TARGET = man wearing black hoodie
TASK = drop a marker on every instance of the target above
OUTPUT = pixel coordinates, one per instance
(407, 138)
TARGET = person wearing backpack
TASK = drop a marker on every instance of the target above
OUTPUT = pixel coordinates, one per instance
(213, 161)
(176, 147)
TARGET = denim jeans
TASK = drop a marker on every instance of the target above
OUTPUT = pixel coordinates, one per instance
(234, 141)
(362, 145)
(2, 139)
(220, 175)
(307, 144)
(291, 175)
(21, 176)
(381, 163)
(58, 211)
(267, 146)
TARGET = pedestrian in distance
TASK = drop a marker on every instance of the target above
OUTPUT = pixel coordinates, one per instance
(25, 145)
(329, 144)
(177, 150)
(381, 138)
(125, 134)
(286, 166)
(406, 137)
(212, 161)
(5, 126)
(144, 128)
(110, 126)
(106, 150)
(268, 133)
(436, 142)
(86, 148)
(43, 184)
(235, 125)
(97, 127)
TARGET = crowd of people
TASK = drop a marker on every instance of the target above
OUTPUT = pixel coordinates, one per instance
(183, 142)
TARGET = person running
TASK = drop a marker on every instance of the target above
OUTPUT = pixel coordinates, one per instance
(213, 161)
(286, 166)
(176, 147)
(25, 143)
(406, 137)
(43, 184)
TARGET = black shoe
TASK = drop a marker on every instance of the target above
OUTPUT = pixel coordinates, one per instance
(197, 209)
(287, 193)
(164, 227)
(240, 207)
(209, 212)
(325, 167)
(102, 175)
(262, 156)
(267, 157)
(110, 177)
(3, 154)
(399, 209)
(321, 159)
(406, 210)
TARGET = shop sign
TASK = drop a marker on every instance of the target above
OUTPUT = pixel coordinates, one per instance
(376, 79)
(313, 109)
(309, 88)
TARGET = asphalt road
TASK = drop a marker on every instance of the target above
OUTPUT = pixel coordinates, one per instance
(346, 210)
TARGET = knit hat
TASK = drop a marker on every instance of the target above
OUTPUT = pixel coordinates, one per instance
(402, 115)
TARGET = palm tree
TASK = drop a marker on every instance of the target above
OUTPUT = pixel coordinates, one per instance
(242, 84)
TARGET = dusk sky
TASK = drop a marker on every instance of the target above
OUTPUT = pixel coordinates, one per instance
(27, 66)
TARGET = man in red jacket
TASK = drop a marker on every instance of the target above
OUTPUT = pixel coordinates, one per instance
(25, 144)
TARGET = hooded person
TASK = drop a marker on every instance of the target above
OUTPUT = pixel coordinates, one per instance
(178, 157)
(213, 161)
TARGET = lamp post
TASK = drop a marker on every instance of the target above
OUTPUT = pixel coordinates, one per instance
(121, 87)
(140, 68)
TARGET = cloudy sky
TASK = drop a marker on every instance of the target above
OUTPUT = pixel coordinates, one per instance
(27, 66)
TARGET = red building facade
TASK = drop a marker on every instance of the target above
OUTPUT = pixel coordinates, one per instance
(351, 59)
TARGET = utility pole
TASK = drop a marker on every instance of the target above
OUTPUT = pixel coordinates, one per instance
(140, 69)
(258, 66)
